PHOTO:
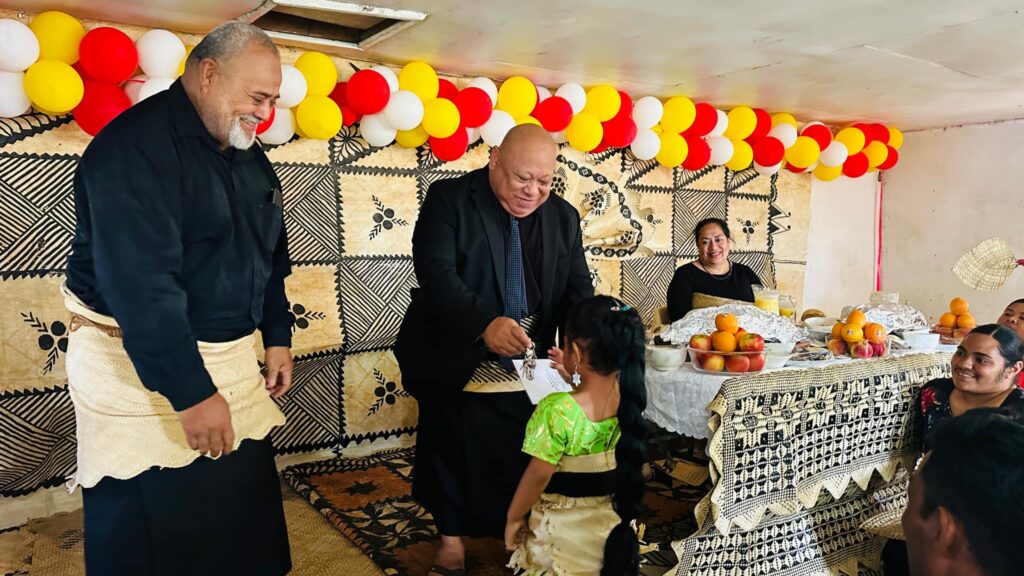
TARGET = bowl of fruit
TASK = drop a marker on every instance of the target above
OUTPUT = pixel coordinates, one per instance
(730, 349)
(857, 338)
(955, 324)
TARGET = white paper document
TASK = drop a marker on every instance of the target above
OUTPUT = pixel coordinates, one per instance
(546, 380)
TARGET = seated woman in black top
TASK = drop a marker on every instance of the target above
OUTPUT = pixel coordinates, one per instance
(986, 366)
(712, 273)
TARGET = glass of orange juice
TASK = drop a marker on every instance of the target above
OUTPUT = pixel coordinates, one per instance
(787, 306)
(766, 299)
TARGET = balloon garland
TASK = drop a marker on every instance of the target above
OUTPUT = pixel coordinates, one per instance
(55, 66)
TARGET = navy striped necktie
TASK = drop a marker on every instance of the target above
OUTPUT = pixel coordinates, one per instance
(515, 281)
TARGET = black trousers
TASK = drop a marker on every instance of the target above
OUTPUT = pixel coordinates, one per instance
(469, 459)
(216, 517)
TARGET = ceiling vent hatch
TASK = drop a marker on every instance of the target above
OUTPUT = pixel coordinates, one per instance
(330, 24)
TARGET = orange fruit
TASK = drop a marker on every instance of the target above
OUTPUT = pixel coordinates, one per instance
(723, 341)
(727, 323)
(965, 321)
(837, 329)
(958, 306)
(852, 333)
(874, 333)
(856, 318)
(947, 320)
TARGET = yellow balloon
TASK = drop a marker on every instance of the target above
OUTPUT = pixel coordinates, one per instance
(584, 132)
(876, 153)
(742, 156)
(59, 35)
(827, 173)
(783, 118)
(803, 152)
(678, 114)
(320, 72)
(412, 138)
(181, 67)
(420, 79)
(527, 120)
(517, 96)
(318, 117)
(852, 138)
(673, 150)
(53, 86)
(440, 118)
(603, 102)
(742, 121)
(895, 138)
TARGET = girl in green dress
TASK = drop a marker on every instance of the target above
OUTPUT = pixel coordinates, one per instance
(574, 506)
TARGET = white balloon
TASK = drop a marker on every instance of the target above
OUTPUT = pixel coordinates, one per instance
(785, 133)
(19, 47)
(721, 150)
(132, 86)
(281, 129)
(834, 155)
(154, 85)
(487, 85)
(575, 94)
(13, 100)
(647, 112)
(646, 144)
(404, 110)
(473, 134)
(721, 125)
(293, 87)
(160, 53)
(542, 94)
(767, 170)
(388, 75)
(493, 131)
(376, 130)
(559, 137)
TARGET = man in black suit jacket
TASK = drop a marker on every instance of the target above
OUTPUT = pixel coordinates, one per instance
(457, 337)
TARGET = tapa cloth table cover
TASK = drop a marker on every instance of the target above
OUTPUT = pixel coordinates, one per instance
(778, 439)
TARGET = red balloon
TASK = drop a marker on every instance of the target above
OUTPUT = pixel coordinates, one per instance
(795, 170)
(367, 92)
(625, 107)
(600, 148)
(554, 114)
(856, 165)
(446, 90)
(699, 152)
(869, 133)
(704, 122)
(891, 159)
(619, 132)
(265, 125)
(768, 151)
(474, 106)
(879, 133)
(764, 125)
(820, 133)
(100, 104)
(348, 115)
(451, 148)
(108, 55)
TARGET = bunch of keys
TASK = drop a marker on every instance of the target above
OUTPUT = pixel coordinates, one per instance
(529, 361)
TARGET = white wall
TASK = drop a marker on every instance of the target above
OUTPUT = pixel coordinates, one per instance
(841, 244)
(952, 189)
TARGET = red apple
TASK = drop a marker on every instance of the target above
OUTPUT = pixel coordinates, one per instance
(861, 349)
(740, 332)
(700, 342)
(714, 363)
(878, 348)
(737, 363)
(756, 362)
(751, 342)
(837, 347)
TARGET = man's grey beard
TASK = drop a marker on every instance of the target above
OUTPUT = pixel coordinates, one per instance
(237, 137)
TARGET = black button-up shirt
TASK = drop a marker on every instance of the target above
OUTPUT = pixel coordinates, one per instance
(179, 241)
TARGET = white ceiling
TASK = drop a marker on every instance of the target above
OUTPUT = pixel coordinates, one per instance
(912, 63)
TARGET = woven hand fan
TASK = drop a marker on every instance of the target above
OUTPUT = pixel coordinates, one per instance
(987, 265)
